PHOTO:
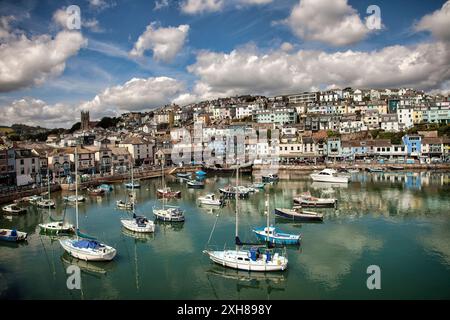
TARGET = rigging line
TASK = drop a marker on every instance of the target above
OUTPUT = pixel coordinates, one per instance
(46, 255)
(212, 231)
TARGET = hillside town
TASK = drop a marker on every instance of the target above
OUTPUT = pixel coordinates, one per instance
(393, 125)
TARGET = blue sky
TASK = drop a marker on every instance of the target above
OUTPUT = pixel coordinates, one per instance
(202, 49)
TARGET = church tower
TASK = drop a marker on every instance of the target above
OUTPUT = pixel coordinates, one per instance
(85, 121)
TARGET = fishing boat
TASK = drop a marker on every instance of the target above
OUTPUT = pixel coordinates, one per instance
(273, 235)
(329, 175)
(14, 209)
(230, 192)
(87, 248)
(195, 184)
(106, 187)
(12, 235)
(307, 200)
(297, 214)
(95, 191)
(252, 259)
(352, 170)
(73, 198)
(374, 170)
(270, 178)
(210, 199)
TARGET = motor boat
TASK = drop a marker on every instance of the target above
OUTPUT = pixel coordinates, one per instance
(45, 203)
(270, 178)
(74, 198)
(12, 235)
(124, 205)
(95, 191)
(132, 185)
(195, 184)
(230, 192)
(329, 175)
(210, 199)
(57, 227)
(170, 214)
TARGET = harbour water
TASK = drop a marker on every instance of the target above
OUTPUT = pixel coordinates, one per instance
(398, 221)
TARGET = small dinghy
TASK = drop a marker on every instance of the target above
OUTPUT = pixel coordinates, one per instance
(34, 199)
(257, 185)
(297, 214)
(375, 170)
(210, 199)
(195, 184)
(14, 209)
(12, 235)
(273, 235)
(307, 200)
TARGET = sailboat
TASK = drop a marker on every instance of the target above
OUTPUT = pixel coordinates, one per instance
(253, 259)
(86, 248)
(168, 213)
(166, 192)
(128, 205)
(55, 226)
(131, 184)
(138, 223)
(272, 234)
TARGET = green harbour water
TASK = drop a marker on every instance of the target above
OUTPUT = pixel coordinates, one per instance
(399, 221)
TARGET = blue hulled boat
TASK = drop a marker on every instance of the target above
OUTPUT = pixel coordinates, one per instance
(12, 235)
(273, 235)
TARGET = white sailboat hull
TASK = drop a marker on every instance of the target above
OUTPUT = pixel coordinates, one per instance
(131, 225)
(239, 260)
(57, 227)
(104, 254)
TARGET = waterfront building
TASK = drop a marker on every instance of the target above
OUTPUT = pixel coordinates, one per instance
(334, 148)
(413, 144)
(389, 123)
(141, 150)
(305, 97)
(278, 115)
(27, 165)
(405, 116)
(432, 147)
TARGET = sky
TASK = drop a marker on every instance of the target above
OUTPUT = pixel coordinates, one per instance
(131, 55)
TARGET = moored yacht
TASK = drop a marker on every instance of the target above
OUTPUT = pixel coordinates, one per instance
(329, 175)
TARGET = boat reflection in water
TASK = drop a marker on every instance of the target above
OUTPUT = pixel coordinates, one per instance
(328, 185)
(267, 282)
(90, 268)
(139, 236)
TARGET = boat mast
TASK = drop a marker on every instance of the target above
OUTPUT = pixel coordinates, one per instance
(236, 194)
(48, 183)
(132, 183)
(76, 185)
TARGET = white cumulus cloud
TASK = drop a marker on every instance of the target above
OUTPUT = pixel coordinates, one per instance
(31, 61)
(165, 43)
(438, 23)
(136, 94)
(250, 71)
(201, 6)
(332, 22)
